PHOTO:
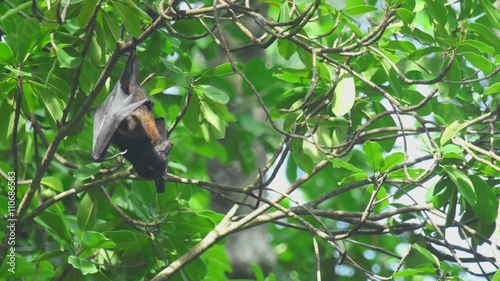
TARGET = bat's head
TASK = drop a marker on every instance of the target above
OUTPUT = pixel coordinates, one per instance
(159, 161)
(162, 150)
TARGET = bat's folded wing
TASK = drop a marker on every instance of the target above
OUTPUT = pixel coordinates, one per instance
(108, 117)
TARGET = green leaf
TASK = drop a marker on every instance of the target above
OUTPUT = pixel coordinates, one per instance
(463, 183)
(303, 161)
(373, 154)
(276, 3)
(122, 239)
(217, 262)
(6, 55)
(492, 13)
(450, 132)
(492, 89)
(7, 127)
(298, 76)
(51, 221)
(437, 11)
(20, 267)
(405, 16)
(214, 94)
(96, 240)
(90, 75)
(404, 46)
(305, 56)
(286, 48)
(49, 256)
(27, 35)
(451, 148)
(96, 52)
(16, 9)
(345, 94)
(312, 151)
(354, 178)
(441, 192)
(259, 274)
(419, 35)
(191, 222)
(82, 264)
(427, 254)
(392, 160)
(66, 60)
(86, 171)
(466, 7)
(496, 277)
(129, 18)
(408, 272)
(381, 198)
(487, 203)
(400, 174)
(216, 130)
(484, 33)
(445, 112)
(86, 11)
(195, 270)
(53, 183)
(138, 11)
(291, 170)
(86, 212)
(394, 80)
(345, 165)
(222, 70)
(360, 10)
(424, 269)
(192, 119)
(184, 58)
(323, 135)
(339, 135)
(174, 69)
(481, 46)
(452, 210)
(452, 155)
(479, 61)
(158, 84)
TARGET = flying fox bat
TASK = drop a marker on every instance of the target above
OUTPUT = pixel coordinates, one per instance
(125, 119)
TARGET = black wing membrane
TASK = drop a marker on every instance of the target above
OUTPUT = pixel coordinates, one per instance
(117, 106)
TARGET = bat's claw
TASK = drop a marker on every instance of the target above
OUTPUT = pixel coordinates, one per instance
(116, 155)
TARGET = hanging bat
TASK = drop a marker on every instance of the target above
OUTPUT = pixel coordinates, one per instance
(125, 119)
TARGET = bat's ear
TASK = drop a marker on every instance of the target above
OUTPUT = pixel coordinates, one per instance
(160, 124)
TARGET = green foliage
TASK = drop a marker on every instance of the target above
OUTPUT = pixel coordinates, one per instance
(382, 116)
